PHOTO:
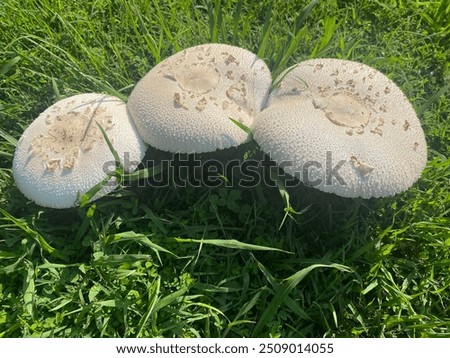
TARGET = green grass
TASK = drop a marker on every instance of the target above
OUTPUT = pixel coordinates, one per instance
(224, 262)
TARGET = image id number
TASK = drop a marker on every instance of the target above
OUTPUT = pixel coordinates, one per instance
(296, 348)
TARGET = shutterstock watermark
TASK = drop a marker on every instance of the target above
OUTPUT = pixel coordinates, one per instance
(191, 170)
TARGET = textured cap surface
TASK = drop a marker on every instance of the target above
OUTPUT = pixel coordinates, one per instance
(184, 103)
(343, 127)
(63, 154)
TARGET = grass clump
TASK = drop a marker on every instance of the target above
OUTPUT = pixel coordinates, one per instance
(223, 262)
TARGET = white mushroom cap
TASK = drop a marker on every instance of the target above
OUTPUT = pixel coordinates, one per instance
(345, 128)
(63, 153)
(184, 103)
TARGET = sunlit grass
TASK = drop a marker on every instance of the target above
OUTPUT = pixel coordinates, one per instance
(223, 262)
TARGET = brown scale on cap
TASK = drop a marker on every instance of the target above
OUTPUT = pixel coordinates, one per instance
(230, 75)
(201, 105)
(363, 168)
(200, 78)
(406, 125)
(347, 110)
(230, 59)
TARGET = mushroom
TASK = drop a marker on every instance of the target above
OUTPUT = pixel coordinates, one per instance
(344, 128)
(184, 104)
(63, 153)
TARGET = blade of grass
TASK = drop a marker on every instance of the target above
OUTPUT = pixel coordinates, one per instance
(429, 102)
(138, 238)
(329, 30)
(22, 225)
(289, 302)
(86, 197)
(87, 219)
(304, 14)
(142, 174)
(120, 259)
(14, 266)
(56, 89)
(150, 41)
(118, 173)
(242, 126)
(170, 299)
(153, 295)
(28, 290)
(6, 65)
(296, 37)
(8, 138)
(266, 31)
(236, 20)
(164, 26)
(119, 166)
(215, 19)
(231, 244)
(284, 290)
(288, 209)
